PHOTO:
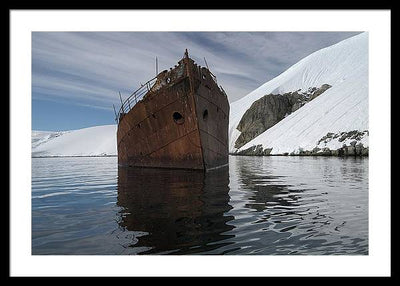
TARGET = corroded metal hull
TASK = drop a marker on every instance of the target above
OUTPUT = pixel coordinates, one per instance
(181, 122)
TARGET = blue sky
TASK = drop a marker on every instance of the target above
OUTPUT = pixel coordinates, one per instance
(76, 76)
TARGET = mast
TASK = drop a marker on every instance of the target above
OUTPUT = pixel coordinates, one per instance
(206, 63)
(188, 67)
(156, 66)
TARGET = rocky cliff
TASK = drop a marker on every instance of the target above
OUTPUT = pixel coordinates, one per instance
(272, 108)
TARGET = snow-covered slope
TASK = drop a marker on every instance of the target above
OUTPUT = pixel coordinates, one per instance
(40, 137)
(92, 141)
(342, 108)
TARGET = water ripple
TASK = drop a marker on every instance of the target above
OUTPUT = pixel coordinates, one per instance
(257, 206)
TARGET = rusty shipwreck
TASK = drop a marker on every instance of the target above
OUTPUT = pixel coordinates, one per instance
(179, 119)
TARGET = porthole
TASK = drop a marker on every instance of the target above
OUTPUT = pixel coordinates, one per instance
(203, 76)
(205, 114)
(178, 118)
(168, 80)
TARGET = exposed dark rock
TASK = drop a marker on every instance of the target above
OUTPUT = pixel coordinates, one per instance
(255, 151)
(267, 151)
(354, 148)
(343, 137)
(350, 151)
(270, 109)
(325, 152)
(303, 153)
(262, 114)
(316, 150)
(336, 153)
(358, 150)
(326, 138)
(318, 91)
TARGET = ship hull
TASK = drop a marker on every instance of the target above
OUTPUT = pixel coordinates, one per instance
(183, 124)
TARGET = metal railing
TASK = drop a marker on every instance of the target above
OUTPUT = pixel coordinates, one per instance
(134, 98)
(138, 95)
(213, 77)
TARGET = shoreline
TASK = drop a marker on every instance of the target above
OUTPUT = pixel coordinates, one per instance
(73, 156)
(298, 155)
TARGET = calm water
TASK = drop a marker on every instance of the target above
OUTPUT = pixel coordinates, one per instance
(259, 205)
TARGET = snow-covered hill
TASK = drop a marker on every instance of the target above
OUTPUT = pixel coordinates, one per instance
(92, 141)
(340, 110)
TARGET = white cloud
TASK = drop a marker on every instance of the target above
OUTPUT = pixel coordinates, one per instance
(93, 67)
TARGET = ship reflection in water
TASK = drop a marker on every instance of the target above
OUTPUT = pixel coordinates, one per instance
(174, 211)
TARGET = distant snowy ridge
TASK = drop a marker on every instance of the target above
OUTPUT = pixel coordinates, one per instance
(92, 141)
(342, 108)
(40, 137)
